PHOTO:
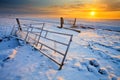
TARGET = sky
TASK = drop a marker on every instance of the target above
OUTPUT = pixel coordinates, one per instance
(102, 9)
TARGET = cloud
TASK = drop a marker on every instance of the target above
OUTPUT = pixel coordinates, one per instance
(97, 5)
(79, 8)
(28, 6)
(13, 3)
(111, 5)
(29, 11)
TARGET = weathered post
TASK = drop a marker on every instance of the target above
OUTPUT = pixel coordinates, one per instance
(61, 22)
(19, 26)
(74, 23)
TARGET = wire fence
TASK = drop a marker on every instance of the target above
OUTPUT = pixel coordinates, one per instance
(5, 31)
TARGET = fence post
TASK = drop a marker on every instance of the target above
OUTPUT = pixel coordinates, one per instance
(74, 23)
(61, 22)
(19, 26)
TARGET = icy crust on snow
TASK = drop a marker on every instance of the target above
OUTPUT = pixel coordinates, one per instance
(94, 54)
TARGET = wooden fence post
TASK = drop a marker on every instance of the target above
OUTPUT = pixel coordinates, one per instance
(74, 23)
(19, 26)
(61, 22)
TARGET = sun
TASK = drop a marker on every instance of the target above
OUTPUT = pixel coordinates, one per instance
(92, 13)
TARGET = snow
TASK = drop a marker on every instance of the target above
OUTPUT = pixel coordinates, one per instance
(13, 54)
(94, 54)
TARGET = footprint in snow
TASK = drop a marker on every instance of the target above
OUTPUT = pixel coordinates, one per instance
(94, 63)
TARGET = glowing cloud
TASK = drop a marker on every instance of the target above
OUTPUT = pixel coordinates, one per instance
(105, 9)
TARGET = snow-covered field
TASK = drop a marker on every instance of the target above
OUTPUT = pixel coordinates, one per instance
(94, 54)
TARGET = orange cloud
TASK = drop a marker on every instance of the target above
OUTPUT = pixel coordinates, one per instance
(104, 9)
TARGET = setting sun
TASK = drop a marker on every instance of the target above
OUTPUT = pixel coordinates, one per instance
(92, 13)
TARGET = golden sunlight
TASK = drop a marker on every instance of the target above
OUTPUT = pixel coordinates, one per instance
(92, 13)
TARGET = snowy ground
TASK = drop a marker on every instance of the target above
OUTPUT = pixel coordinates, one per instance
(94, 54)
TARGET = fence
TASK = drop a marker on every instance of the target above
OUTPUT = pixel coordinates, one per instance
(53, 45)
(5, 31)
(71, 22)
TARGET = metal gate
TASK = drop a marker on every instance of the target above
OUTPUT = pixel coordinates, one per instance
(49, 43)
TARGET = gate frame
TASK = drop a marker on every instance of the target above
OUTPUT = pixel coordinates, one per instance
(42, 44)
